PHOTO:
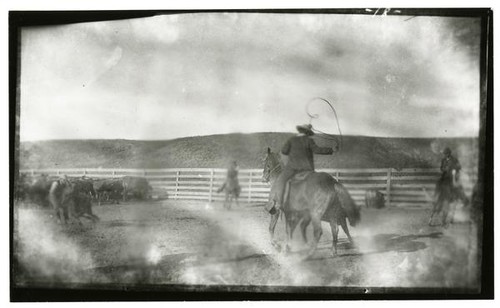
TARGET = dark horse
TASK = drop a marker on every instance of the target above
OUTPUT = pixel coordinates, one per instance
(315, 198)
(231, 187)
(449, 190)
(71, 200)
(60, 197)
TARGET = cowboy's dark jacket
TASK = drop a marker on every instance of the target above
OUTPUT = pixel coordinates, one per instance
(300, 150)
(448, 164)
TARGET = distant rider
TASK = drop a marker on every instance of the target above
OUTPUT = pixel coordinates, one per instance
(450, 176)
(232, 178)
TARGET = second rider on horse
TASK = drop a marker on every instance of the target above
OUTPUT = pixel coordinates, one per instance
(300, 150)
(449, 182)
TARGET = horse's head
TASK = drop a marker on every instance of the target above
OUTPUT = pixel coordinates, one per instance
(272, 165)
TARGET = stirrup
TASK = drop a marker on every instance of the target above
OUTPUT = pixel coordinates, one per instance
(271, 207)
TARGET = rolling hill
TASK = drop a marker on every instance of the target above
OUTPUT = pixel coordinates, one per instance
(216, 151)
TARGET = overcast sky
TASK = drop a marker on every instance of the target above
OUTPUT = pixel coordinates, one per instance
(183, 75)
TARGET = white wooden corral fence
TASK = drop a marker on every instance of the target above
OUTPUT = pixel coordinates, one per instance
(406, 187)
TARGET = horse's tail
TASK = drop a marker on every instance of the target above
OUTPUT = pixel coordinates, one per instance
(347, 204)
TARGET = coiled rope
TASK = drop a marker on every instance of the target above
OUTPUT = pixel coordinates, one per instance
(315, 116)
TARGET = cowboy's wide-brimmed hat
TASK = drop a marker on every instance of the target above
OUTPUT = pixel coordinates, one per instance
(306, 129)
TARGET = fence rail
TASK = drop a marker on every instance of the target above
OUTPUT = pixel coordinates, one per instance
(405, 187)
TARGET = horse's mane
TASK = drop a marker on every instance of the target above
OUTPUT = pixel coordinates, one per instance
(276, 158)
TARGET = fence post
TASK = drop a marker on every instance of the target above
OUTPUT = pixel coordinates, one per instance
(211, 184)
(177, 184)
(388, 188)
(337, 176)
(32, 172)
(250, 187)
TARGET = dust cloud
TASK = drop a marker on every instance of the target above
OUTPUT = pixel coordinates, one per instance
(192, 243)
(43, 250)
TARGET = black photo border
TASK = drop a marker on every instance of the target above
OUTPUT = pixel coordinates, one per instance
(68, 293)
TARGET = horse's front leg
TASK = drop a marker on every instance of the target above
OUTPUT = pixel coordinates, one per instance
(60, 215)
(435, 209)
(453, 209)
(272, 226)
(317, 231)
(226, 197)
(292, 223)
(288, 228)
(445, 213)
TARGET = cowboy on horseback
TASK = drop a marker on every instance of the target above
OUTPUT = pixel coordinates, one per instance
(231, 186)
(450, 177)
(448, 188)
(232, 178)
(300, 150)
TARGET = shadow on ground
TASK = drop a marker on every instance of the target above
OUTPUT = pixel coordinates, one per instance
(381, 243)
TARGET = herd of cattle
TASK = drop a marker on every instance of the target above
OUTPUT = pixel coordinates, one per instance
(72, 197)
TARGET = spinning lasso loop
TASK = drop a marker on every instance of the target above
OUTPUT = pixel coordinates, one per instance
(315, 116)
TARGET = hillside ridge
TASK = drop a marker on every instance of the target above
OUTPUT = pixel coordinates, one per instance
(216, 151)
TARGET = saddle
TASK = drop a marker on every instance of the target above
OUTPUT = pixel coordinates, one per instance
(298, 177)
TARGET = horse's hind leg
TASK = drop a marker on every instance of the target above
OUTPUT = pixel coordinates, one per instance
(335, 235)
(303, 228)
(343, 224)
(73, 216)
(432, 214)
(92, 217)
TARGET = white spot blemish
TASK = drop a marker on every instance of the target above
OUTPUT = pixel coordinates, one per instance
(154, 255)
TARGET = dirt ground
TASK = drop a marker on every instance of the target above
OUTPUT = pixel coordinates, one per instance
(197, 243)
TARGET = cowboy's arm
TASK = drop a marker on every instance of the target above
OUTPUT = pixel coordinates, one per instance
(319, 150)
